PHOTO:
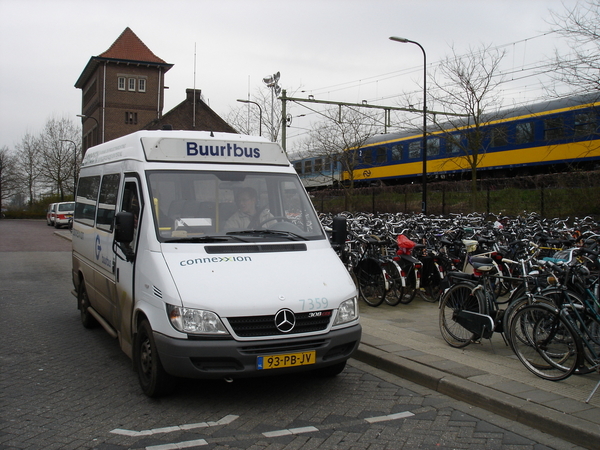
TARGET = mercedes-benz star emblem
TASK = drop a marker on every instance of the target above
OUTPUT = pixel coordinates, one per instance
(285, 320)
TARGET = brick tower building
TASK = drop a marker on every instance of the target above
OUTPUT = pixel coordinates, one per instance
(123, 92)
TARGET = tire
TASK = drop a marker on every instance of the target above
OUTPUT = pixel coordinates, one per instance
(396, 291)
(154, 381)
(83, 303)
(371, 282)
(410, 290)
(459, 297)
(544, 342)
(515, 306)
(431, 281)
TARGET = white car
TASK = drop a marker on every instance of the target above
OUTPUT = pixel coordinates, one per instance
(50, 214)
(63, 214)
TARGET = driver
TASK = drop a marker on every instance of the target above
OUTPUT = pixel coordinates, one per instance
(248, 216)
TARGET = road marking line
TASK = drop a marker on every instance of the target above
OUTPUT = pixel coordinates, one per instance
(300, 430)
(178, 445)
(224, 421)
(401, 415)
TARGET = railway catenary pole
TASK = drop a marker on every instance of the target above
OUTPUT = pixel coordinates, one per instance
(424, 144)
(284, 98)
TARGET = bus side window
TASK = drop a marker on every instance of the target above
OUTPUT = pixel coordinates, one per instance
(131, 203)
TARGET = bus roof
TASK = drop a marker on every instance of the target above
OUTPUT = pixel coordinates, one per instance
(187, 147)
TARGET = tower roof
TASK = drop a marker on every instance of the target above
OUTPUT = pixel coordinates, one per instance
(128, 49)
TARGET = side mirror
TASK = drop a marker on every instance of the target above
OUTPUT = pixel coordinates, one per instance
(124, 227)
(339, 232)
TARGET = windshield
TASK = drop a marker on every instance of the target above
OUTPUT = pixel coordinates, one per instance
(66, 206)
(206, 206)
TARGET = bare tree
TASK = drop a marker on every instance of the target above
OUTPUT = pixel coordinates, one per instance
(9, 184)
(59, 147)
(28, 166)
(467, 86)
(254, 118)
(580, 26)
(340, 139)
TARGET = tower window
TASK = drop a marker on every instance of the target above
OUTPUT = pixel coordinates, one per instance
(131, 84)
(121, 83)
(131, 118)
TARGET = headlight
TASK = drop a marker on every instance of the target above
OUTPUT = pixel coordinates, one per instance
(347, 312)
(195, 321)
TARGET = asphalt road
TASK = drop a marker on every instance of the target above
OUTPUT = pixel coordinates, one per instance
(66, 387)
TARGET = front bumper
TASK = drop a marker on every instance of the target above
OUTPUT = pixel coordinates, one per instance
(211, 358)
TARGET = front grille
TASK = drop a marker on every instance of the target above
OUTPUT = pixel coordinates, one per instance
(284, 346)
(254, 326)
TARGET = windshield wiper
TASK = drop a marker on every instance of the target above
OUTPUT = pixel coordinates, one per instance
(287, 234)
(204, 239)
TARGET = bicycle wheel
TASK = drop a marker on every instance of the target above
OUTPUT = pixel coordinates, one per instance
(396, 291)
(410, 290)
(515, 306)
(459, 297)
(431, 281)
(371, 282)
(544, 342)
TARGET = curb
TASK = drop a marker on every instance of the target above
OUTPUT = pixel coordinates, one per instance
(564, 426)
(67, 236)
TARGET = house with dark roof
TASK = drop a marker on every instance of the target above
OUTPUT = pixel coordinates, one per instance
(123, 91)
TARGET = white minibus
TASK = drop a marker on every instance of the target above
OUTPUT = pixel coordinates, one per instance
(203, 255)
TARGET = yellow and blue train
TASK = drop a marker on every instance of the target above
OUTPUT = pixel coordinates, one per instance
(552, 136)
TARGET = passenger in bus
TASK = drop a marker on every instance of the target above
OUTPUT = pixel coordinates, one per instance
(248, 215)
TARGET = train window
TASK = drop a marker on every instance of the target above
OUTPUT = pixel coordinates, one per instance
(553, 128)
(433, 147)
(414, 149)
(453, 145)
(397, 152)
(499, 136)
(367, 156)
(298, 167)
(327, 164)
(318, 165)
(524, 133)
(381, 154)
(308, 166)
(585, 124)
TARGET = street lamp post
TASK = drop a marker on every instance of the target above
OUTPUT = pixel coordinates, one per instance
(84, 117)
(74, 165)
(259, 112)
(271, 82)
(424, 143)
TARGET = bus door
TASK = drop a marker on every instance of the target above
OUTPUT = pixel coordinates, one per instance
(125, 267)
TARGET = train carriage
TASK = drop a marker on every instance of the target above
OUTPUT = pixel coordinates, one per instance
(552, 136)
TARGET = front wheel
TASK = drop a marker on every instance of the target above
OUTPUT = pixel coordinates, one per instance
(371, 282)
(544, 342)
(153, 379)
(458, 298)
(410, 290)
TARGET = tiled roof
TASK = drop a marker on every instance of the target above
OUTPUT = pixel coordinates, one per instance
(181, 116)
(129, 47)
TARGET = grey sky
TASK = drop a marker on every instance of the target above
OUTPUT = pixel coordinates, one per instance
(333, 49)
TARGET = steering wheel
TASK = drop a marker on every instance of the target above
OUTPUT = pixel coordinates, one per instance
(271, 219)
